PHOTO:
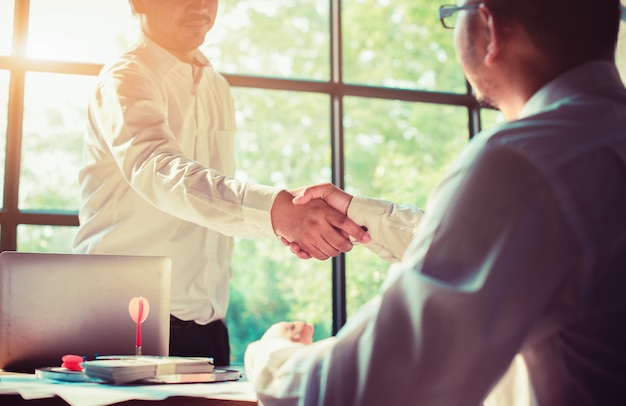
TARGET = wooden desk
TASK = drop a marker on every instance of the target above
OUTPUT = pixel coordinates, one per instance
(229, 397)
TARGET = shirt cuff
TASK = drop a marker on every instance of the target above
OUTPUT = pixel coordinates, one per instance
(363, 210)
(257, 204)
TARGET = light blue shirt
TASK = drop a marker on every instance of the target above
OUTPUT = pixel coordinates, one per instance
(518, 265)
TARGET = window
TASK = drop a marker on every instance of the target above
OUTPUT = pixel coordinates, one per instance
(94, 31)
(6, 27)
(54, 120)
(397, 44)
(364, 93)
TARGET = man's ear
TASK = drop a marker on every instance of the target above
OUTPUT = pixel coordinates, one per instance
(138, 6)
(492, 33)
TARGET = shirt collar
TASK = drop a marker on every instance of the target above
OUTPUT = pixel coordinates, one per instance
(164, 61)
(589, 77)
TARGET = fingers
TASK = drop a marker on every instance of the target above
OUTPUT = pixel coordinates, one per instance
(351, 228)
(321, 245)
(296, 331)
(335, 197)
(318, 229)
(308, 193)
(300, 253)
(300, 332)
(314, 249)
(295, 248)
(334, 243)
(318, 251)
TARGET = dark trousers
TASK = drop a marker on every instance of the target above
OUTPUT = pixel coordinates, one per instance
(189, 339)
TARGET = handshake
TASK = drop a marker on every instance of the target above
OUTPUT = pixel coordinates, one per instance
(313, 221)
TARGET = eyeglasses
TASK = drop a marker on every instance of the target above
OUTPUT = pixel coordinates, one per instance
(448, 14)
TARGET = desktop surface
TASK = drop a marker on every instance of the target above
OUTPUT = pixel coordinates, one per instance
(15, 387)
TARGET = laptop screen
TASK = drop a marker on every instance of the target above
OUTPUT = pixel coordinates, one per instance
(57, 304)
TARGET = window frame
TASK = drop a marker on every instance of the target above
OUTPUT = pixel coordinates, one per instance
(18, 64)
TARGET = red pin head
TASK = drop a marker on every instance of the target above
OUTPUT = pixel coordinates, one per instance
(138, 309)
(72, 362)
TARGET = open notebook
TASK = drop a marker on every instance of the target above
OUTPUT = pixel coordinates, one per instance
(57, 304)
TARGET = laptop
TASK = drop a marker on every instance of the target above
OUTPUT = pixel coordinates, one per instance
(57, 304)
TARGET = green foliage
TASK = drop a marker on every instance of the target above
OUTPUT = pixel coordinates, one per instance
(398, 44)
(55, 119)
(287, 38)
(33, 238)
(396, 151)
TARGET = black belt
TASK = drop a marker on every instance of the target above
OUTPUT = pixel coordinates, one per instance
(175, 322)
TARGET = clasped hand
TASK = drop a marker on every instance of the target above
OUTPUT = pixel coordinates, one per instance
(314, 223)
(296, 331)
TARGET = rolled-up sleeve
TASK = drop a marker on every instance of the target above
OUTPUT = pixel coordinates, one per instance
(391, 226)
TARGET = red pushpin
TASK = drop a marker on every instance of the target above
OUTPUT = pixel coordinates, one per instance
(138, 309)
(72, 362)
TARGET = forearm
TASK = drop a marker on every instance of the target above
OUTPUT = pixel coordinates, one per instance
(198, 194)
(391, 226)
(129, 128)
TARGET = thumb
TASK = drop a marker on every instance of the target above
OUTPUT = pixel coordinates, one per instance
(301, 199)
(306, 195)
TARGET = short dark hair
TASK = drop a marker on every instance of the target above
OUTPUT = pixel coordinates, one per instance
(571, 30)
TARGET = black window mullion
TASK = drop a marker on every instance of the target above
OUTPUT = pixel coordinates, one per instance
(473, 111)
(10, 210)
(336, 116)
(12, 161)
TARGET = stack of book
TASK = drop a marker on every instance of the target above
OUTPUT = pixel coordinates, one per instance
(122, 370)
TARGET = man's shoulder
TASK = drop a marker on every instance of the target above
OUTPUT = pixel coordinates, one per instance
(133, 61)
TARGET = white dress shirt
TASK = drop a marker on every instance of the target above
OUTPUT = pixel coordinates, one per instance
(517, 265)
(160, 142)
